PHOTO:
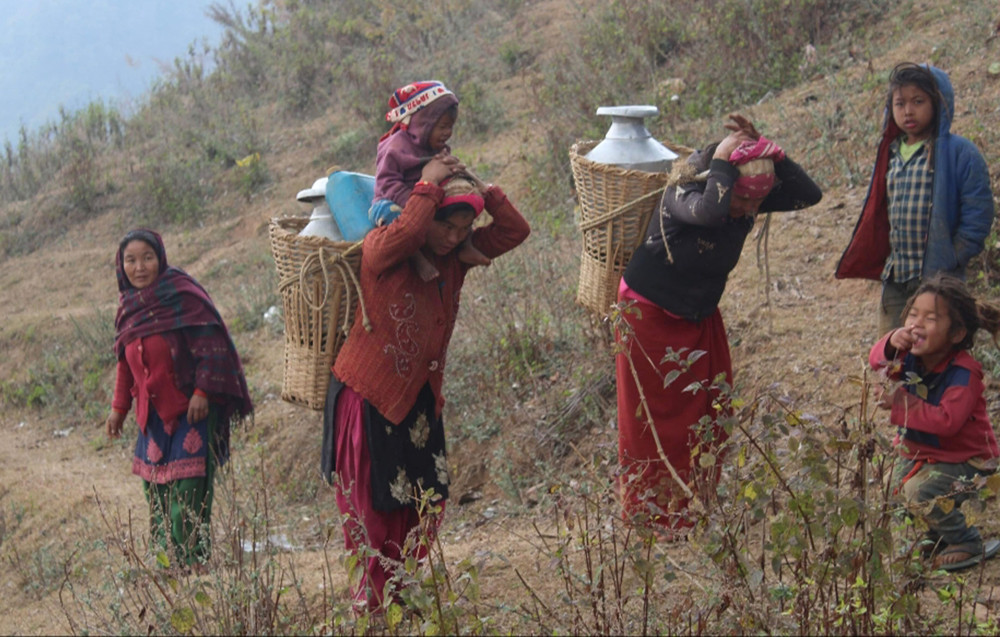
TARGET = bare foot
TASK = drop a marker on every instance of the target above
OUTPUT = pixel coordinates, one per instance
(472, 256)
(425, 269)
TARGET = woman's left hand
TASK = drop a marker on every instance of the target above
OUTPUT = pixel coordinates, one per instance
(197, 408)
(742, 124)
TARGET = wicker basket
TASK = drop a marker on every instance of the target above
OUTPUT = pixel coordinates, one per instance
(318, 283)
(615, 207)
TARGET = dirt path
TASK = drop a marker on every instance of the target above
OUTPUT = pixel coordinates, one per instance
(814, 336)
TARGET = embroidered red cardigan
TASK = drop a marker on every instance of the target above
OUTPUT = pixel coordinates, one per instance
(147, 374)
(412, 320)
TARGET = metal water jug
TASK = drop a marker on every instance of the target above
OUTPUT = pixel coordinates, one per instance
(321, 222)
(628, 144)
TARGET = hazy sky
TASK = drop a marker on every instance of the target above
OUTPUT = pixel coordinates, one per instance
(71, 52)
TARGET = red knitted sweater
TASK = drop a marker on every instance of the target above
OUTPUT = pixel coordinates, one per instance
(147, 373)
(412, 320)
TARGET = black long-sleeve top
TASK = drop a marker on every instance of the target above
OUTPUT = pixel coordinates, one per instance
(705, 241)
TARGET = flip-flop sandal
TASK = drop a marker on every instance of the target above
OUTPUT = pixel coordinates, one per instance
(990, 548)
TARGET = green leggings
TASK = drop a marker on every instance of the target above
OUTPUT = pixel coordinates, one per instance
(182, 511)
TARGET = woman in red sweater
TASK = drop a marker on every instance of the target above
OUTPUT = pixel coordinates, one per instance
(177, 361)
(383, 428)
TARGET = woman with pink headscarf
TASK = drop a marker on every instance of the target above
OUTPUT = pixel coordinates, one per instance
(672, 334)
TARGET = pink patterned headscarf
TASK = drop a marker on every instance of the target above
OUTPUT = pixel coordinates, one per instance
(755, 161)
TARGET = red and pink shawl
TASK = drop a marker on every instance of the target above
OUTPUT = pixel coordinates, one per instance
(178, 307)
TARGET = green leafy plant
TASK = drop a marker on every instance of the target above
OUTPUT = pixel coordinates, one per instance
(175, 189)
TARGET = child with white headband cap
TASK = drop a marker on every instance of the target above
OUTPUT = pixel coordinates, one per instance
(423, 115)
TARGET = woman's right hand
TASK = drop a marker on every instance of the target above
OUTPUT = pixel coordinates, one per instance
(440, 167)
(113, 425)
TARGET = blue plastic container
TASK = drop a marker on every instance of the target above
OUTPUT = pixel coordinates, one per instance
(349, 196)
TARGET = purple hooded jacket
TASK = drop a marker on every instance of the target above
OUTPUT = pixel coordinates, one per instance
(401, 156)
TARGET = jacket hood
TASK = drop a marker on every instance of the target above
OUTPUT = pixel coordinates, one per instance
(422, 122)
(948, 93)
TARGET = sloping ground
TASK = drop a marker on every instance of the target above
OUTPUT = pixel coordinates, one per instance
(815, 334)
(809, 340)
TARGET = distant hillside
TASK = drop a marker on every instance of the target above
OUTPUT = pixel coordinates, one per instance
(70, 52)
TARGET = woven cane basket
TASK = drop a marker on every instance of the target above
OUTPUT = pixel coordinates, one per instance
(615, 207)
(318, 283)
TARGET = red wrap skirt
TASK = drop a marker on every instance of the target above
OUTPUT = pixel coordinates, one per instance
(648, 490)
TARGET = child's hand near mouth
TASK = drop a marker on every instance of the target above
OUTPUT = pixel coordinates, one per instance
(904, 338)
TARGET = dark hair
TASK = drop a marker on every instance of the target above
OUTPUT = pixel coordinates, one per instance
(963, 308)
(150, 238)
(139, 235)
(445, 212)
(920, 76)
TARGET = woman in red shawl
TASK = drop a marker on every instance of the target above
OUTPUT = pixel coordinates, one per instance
(673, 335)
(176, 359)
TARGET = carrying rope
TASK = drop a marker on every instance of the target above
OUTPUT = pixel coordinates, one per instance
(319, 262)
(681, 174)
(619, 211)
(663, 236)
(764, 266)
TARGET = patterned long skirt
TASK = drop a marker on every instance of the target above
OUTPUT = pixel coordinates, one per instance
(377, 492)
(178, 472)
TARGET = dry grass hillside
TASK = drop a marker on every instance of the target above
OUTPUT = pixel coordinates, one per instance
(530, 541)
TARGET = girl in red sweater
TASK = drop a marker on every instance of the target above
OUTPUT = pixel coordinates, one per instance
(945, 438)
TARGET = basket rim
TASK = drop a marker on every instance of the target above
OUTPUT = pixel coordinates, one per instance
(577, 157)
(280, 231)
